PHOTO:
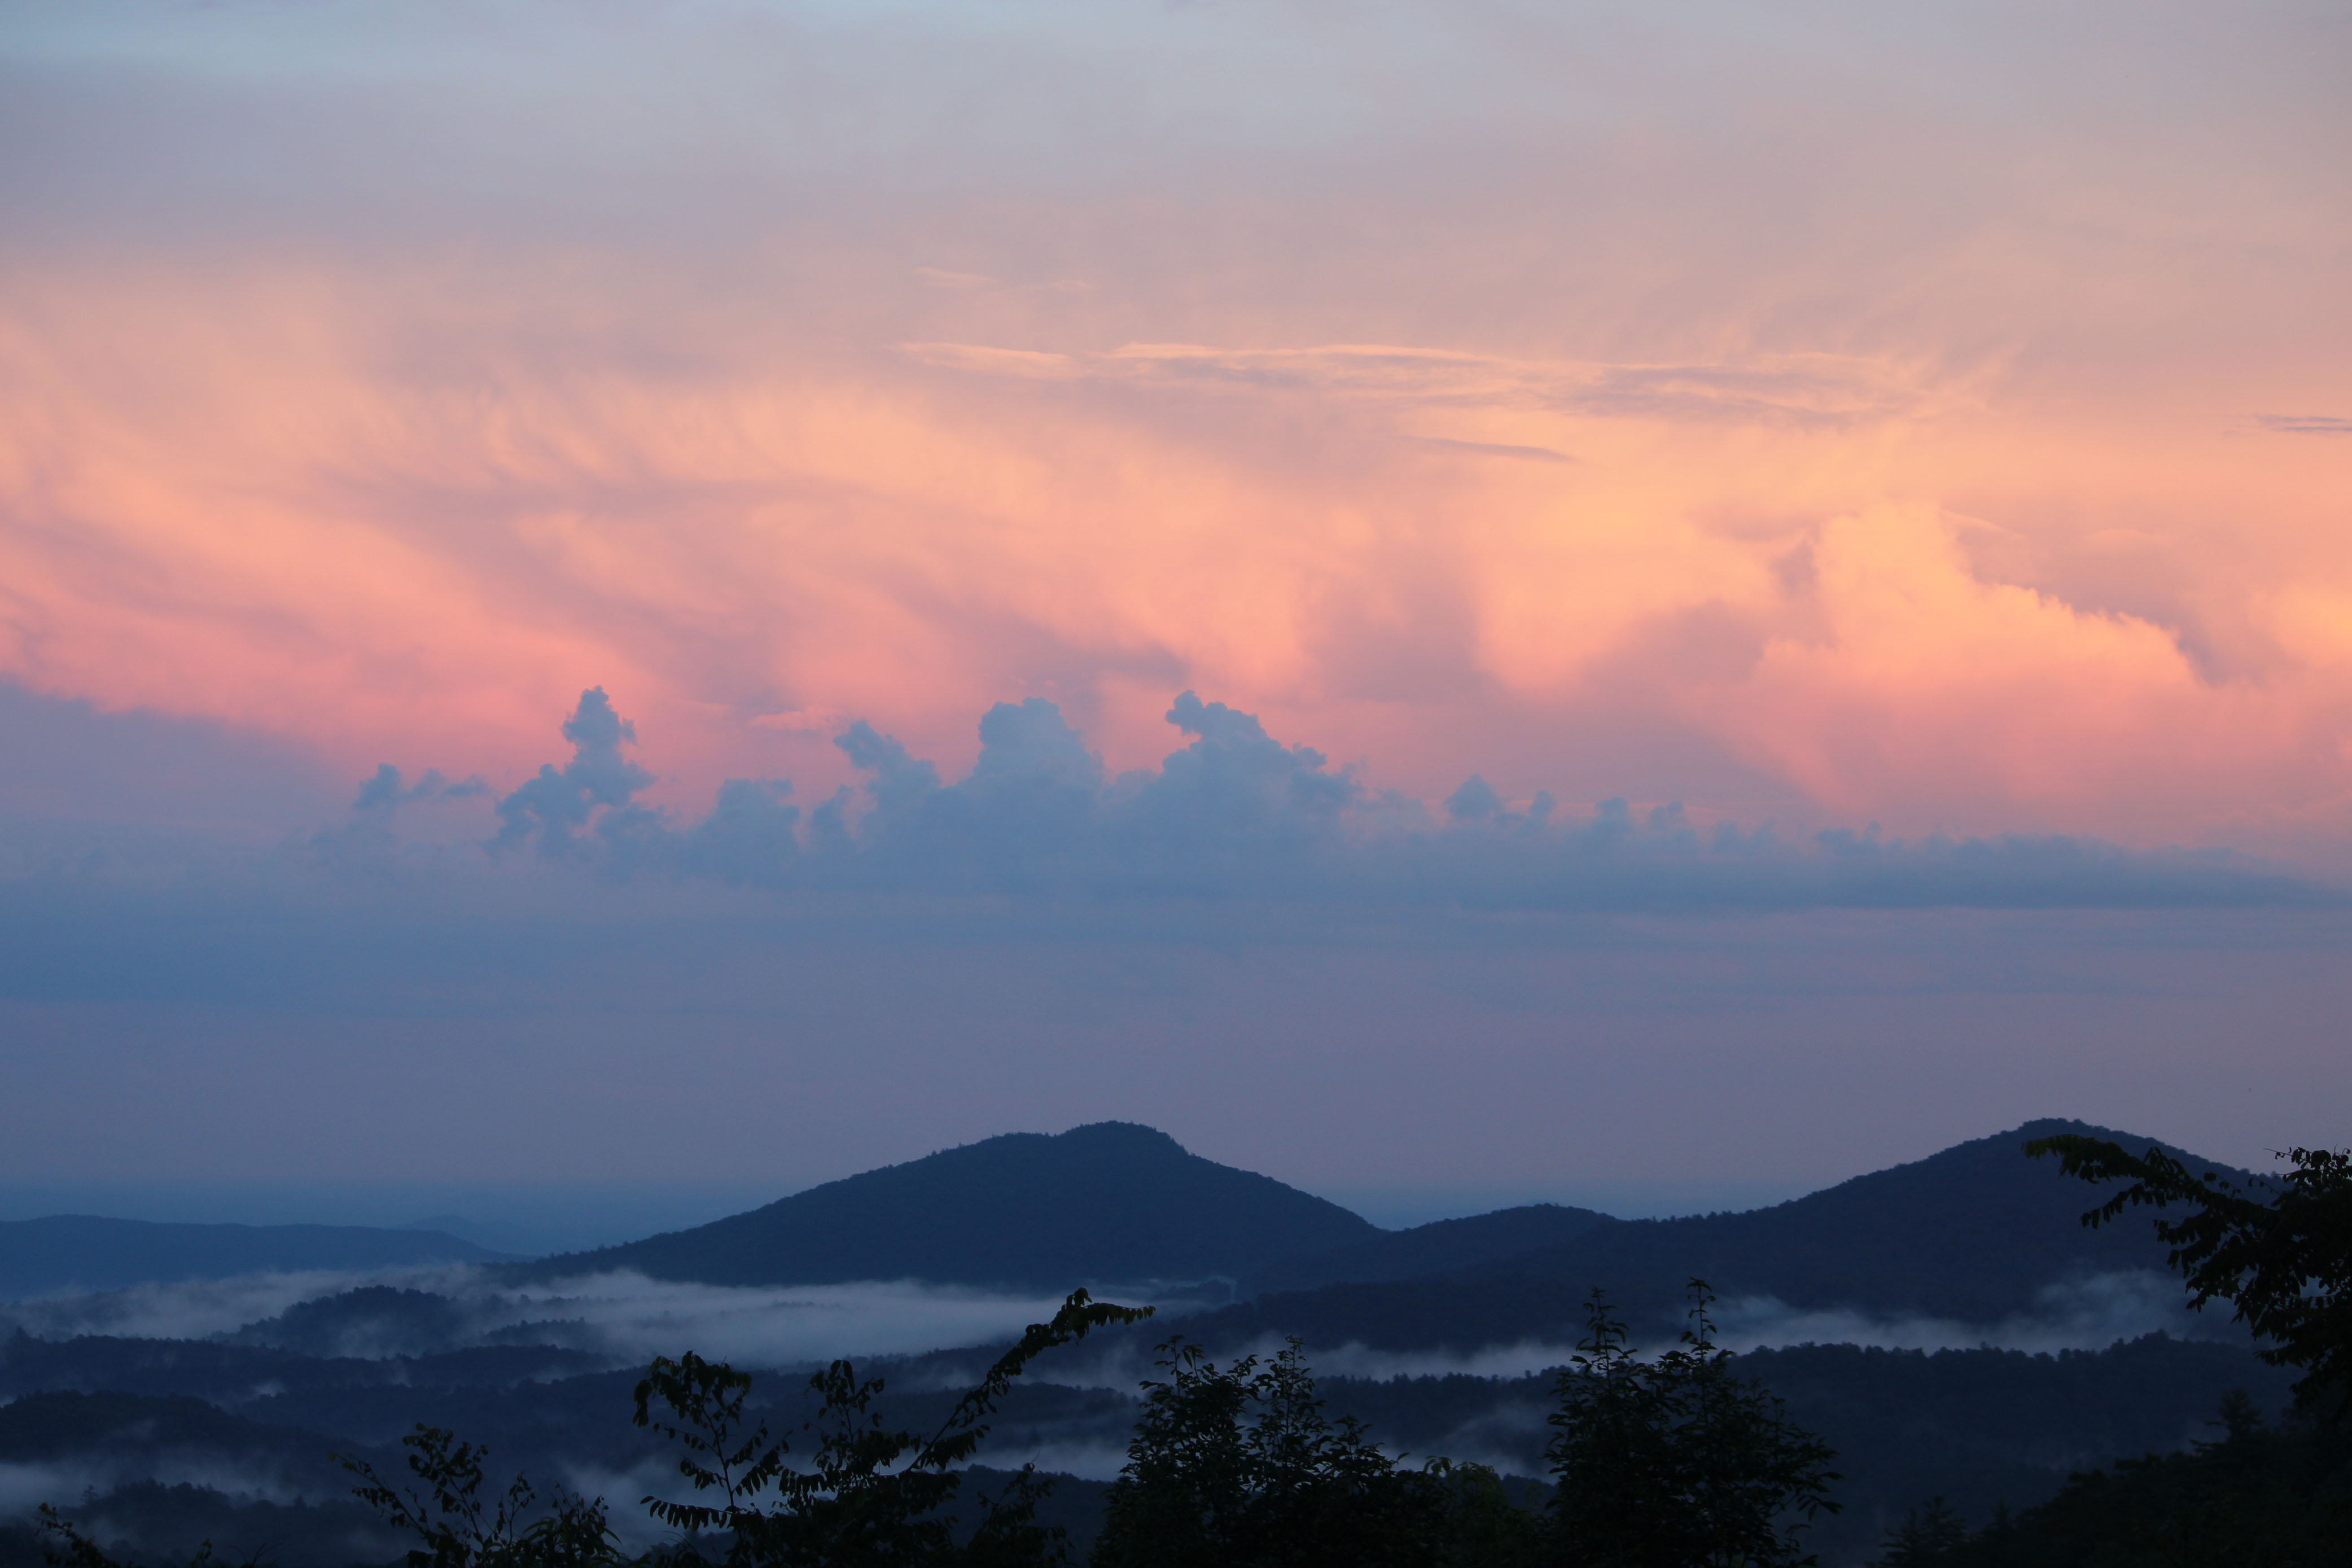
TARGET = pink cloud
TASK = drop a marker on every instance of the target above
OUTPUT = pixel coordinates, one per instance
(1919, 463)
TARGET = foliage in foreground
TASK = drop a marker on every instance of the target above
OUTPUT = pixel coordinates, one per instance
(870, 1494)
(2284, 1264)
(1239, 1466)
(1670, 1461)
(1675, 1461)
(2259, 1495)
(2274, 1497)
(458, 1530)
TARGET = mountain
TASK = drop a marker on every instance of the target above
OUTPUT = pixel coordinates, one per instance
(1111, 1203)
(72, 1253)
(1977, 1233)
(1439, 1247)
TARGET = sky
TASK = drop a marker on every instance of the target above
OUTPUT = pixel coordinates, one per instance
(1455, 603)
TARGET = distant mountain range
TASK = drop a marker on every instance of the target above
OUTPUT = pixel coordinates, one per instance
(1112, 1203)
(1438, 1247)
(74, 1253)
(189, 1435)
(1975, 1234)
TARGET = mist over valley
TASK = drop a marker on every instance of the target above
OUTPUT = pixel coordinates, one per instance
(1940, 1299)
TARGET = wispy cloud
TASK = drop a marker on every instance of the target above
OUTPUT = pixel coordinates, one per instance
(1817, 389)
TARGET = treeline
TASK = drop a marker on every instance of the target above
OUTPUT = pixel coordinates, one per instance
(2254, 1495)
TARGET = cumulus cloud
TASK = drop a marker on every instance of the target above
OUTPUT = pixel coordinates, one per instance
(1237, 812)
(597, 781)
(749, 836)
(385, 791)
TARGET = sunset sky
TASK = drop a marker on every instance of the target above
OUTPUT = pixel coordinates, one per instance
(1864, 492)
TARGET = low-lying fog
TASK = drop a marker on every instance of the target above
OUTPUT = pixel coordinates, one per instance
(627, 1315)
(631, 1318)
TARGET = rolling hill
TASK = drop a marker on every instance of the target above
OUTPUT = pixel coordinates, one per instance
(1111, 1203)
(1438, 1247)
(1975, 1234)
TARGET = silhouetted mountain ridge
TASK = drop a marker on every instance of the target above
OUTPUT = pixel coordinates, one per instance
(1975, 1234)
(1440, 1247)
(1109, 1203)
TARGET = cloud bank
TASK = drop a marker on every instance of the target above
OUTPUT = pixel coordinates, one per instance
(1237, 812)
(1274, 954)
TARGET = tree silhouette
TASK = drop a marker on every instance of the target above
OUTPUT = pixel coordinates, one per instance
(458, 1528)
(75, 1550)
(1674, 1462)
(1929, 1534)
(1237, 1465)
(2284, 1264)
(871, 1494)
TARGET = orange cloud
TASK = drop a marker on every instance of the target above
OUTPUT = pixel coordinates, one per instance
(237, 501)
(1604, 405)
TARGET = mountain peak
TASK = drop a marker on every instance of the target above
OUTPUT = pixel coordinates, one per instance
(1122, 1133)
(1107, 1203)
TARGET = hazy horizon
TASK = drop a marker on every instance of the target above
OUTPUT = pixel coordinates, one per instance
(547, 1217)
